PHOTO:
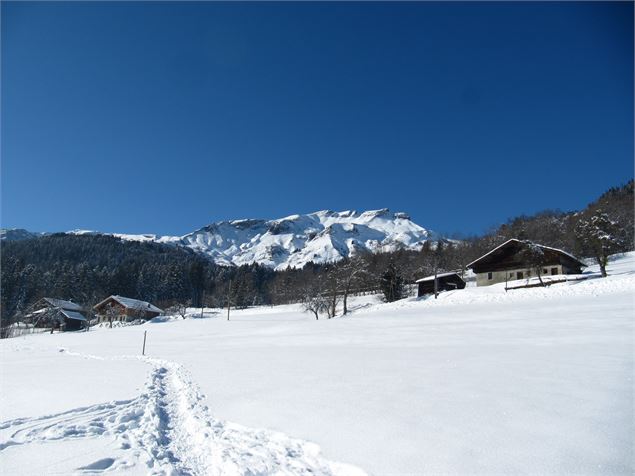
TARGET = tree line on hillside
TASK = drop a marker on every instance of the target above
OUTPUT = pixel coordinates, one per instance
(88, 268)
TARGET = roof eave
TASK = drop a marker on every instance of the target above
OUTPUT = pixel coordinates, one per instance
(469, 265)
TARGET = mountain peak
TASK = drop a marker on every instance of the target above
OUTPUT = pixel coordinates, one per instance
(295, 240)
(292, 241)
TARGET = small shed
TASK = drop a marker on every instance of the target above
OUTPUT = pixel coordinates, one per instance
(122, 308)
(72, 320)
(445, 282)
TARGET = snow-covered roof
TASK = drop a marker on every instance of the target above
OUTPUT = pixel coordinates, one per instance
(73, 315)
(62, 304)
(440, 275)
(469, 265)
(132, 303)
(40, 311)
(563, 252)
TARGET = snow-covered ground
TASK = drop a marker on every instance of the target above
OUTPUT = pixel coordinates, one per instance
(481, 380)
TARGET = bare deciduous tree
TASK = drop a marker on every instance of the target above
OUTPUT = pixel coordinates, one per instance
(178, 309)
(313, 300)
(112, 313)
(332, 292)
(348, 274)
(534, 256)
(435, 260)
(315, 305)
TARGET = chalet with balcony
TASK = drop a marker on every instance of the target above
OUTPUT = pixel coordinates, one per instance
(508, 262)
(120, 308)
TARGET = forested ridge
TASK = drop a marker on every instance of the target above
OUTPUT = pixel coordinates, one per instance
(88, 268)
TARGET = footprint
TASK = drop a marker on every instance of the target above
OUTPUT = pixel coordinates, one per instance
(99, 465)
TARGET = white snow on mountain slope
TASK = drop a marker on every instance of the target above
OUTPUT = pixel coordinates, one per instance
(296, 240)
(479, 381)
(293, 241)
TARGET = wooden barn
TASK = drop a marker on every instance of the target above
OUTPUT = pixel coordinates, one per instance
(445, 282)
(119, 308)
(508, 262)
(58, 314)
(71, 320)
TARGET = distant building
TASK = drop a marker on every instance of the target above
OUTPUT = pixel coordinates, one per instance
(58, 313)
(507, 262)
(119, 308)
(445, 282)
(71, 320)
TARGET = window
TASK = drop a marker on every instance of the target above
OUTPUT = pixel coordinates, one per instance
(545, 270)
(554, 271)
(519, 275)
(489, 276)
(511, 275)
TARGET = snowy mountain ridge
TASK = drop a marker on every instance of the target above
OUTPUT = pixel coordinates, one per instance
(296, 240)
(292, 241)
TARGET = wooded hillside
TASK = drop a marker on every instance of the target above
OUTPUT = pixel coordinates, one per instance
(87, 268)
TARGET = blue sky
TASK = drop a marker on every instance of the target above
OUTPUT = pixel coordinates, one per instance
(162, 117)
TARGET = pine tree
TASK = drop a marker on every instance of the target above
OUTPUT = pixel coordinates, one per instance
(391, 284)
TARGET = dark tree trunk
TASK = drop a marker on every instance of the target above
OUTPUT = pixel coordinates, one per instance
(539, 272)
(333, 305)
(436, 283)
(345, 299)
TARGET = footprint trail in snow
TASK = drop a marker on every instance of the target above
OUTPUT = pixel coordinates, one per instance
(169, 428)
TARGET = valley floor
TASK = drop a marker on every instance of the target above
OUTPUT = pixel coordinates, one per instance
(533, 381)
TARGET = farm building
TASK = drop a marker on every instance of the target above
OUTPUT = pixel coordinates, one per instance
(445, 282)
(58, 313)
(71, 320)
(510, 261)
(119, 308)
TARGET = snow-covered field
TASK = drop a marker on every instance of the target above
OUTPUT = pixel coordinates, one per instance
(481, 380)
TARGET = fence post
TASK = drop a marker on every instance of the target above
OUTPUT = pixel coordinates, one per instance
(143, 352)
